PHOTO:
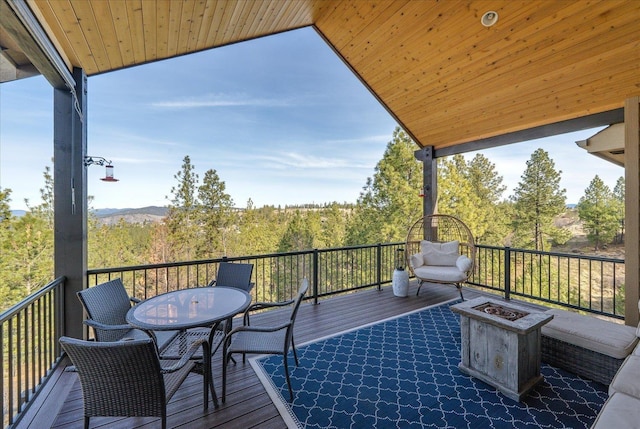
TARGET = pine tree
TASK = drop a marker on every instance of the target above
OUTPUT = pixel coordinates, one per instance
(597, 210)
(456, 196)
(27, 244)
(7, 295)
(260, 229)
(335, 218)
(471, 191)
(538, 199)
(389, 202)
(45, 209)
(298, 234)
(182, 218)
(485, 181)
(488, 186)
(216, 216)
(5, 208)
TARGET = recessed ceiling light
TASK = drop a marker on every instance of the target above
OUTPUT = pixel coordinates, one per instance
(489, 18)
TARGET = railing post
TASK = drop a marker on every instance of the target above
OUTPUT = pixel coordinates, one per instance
(507, 273)
(315, 276)
(59, 312)
(379, 267)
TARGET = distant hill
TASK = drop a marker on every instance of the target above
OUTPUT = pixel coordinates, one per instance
(141, 215)
(110, 216)
(152, 210)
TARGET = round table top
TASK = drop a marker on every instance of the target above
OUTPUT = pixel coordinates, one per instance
(188, 308)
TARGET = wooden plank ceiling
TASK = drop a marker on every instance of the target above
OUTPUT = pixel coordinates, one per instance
(443, 75)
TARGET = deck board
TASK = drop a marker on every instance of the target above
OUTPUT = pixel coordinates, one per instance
(248, 404)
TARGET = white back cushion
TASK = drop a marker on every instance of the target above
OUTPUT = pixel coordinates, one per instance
(443, 254)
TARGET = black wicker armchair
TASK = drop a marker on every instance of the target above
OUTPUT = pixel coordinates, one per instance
(277, 340)
(127, 378)
(106, 306)
(230, 274)
(233, 274)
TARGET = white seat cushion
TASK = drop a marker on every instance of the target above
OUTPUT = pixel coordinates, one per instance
(620, 411)
(601, 336)
(627, 379)
(440, 273)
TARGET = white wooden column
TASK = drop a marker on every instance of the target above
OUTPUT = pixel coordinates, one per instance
(632, 209)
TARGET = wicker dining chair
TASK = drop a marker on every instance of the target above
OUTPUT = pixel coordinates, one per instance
(230, 274)
(248, 339)
(106, 306)
(234, 274)
(127, 378)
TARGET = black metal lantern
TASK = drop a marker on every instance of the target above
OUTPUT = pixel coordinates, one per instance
(400, 259)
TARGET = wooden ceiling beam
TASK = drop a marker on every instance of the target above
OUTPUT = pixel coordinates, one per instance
(582, 123)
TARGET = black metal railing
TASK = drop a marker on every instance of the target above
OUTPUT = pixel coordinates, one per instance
(29, 347)
(30, 330)
(276, 276)
(587, 283)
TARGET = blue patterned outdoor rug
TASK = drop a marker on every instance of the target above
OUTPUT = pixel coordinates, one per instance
(403, 373)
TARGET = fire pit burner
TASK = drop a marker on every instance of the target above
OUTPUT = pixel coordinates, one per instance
(500, 311)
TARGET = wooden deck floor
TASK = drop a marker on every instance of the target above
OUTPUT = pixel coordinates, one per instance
(247, 404)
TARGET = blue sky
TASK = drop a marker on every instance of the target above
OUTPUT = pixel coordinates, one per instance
(281, 119)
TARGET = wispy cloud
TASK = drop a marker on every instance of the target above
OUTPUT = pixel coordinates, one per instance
(299, 161)
(108, 136)
(383, 138)
(222, 100)
(139, 161)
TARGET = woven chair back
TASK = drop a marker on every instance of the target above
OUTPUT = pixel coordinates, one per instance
(233, 274)
(304, 286)
(107, 303)
(120, 378)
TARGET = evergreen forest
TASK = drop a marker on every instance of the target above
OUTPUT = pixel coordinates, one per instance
(204, 221)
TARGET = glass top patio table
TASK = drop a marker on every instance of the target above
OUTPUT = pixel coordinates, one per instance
(188, 308)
